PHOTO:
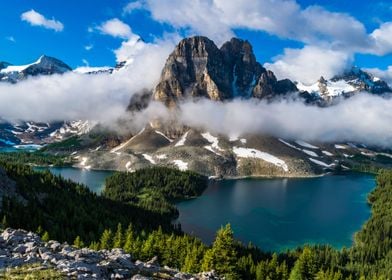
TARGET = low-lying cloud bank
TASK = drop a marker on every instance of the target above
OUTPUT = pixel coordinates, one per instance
(74, 96)
(363, 119)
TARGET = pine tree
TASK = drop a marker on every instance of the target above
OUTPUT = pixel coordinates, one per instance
(106, 239)
(222, 257)
(4, 223)
(305, 267)
(45, 237)
(118, 237)
(39, 230)
(78, 243)
(129, 239)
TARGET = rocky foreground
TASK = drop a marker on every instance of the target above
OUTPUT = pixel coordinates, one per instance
(20, 248)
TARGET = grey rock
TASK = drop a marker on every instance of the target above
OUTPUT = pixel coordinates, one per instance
(18, 247)
(198, 69)
(140, 277)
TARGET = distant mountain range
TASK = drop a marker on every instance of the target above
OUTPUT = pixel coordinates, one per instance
(197, 69)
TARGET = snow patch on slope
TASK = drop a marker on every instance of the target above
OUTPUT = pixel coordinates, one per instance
(321, 163)
(162, 134)
(310, 153)
(119, 147)
(305, 144)
(253, 153)
(182, 165)
(149, 158)
(182, 140)
(213, 140)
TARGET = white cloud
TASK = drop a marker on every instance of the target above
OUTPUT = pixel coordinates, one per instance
(116, 28)
(385, 75)
(37, 19)
(75, 96)
(284, 18)
(383, 39)
(89, 47)
(11, 39)
(197, 17)
(85, 62)
(131, 49)
(363, 118)
(132, 6)
(308, 64)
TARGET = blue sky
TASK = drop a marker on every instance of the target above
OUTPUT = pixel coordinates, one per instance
(22, 42)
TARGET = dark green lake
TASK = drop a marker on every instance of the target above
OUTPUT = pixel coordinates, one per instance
(274, 214)
(277, 214)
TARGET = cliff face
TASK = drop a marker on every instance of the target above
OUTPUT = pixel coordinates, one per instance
(198, 68)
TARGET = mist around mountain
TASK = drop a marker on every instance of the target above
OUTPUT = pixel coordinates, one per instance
(213, 110)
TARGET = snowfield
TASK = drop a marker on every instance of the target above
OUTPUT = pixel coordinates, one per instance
(333, 88)
(310, 153)
(327, 153)
(162, 156)
(306, 145)
(341, 147)
(288, 144)
(253, 153)
(149, 158)
(213, 140)
(84, 161)
(182, 140)
(318, 162)
(182, 165)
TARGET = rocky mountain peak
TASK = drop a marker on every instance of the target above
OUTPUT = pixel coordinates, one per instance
(198, 68)
(363, 81)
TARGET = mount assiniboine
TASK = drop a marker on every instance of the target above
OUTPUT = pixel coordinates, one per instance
(197, 69)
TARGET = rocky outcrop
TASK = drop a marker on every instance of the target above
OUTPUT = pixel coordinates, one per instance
(19, 247)
(198, 68)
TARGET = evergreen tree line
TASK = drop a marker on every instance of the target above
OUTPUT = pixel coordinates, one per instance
(37, 158)
(66, 209)
(155, 189)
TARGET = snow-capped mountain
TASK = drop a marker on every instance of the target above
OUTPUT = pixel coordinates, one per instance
(101, 70)
(351, 82)
(23, 133)
(45, 65)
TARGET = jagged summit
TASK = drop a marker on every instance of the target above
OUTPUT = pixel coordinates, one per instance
(198, 68)
(45, 65)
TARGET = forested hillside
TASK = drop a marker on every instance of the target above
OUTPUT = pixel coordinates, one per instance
(125, 218)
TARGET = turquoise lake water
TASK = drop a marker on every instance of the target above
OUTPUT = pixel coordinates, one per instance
(274, 214)
(277, 214)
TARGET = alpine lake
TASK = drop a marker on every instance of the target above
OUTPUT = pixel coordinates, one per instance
(274, 214)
